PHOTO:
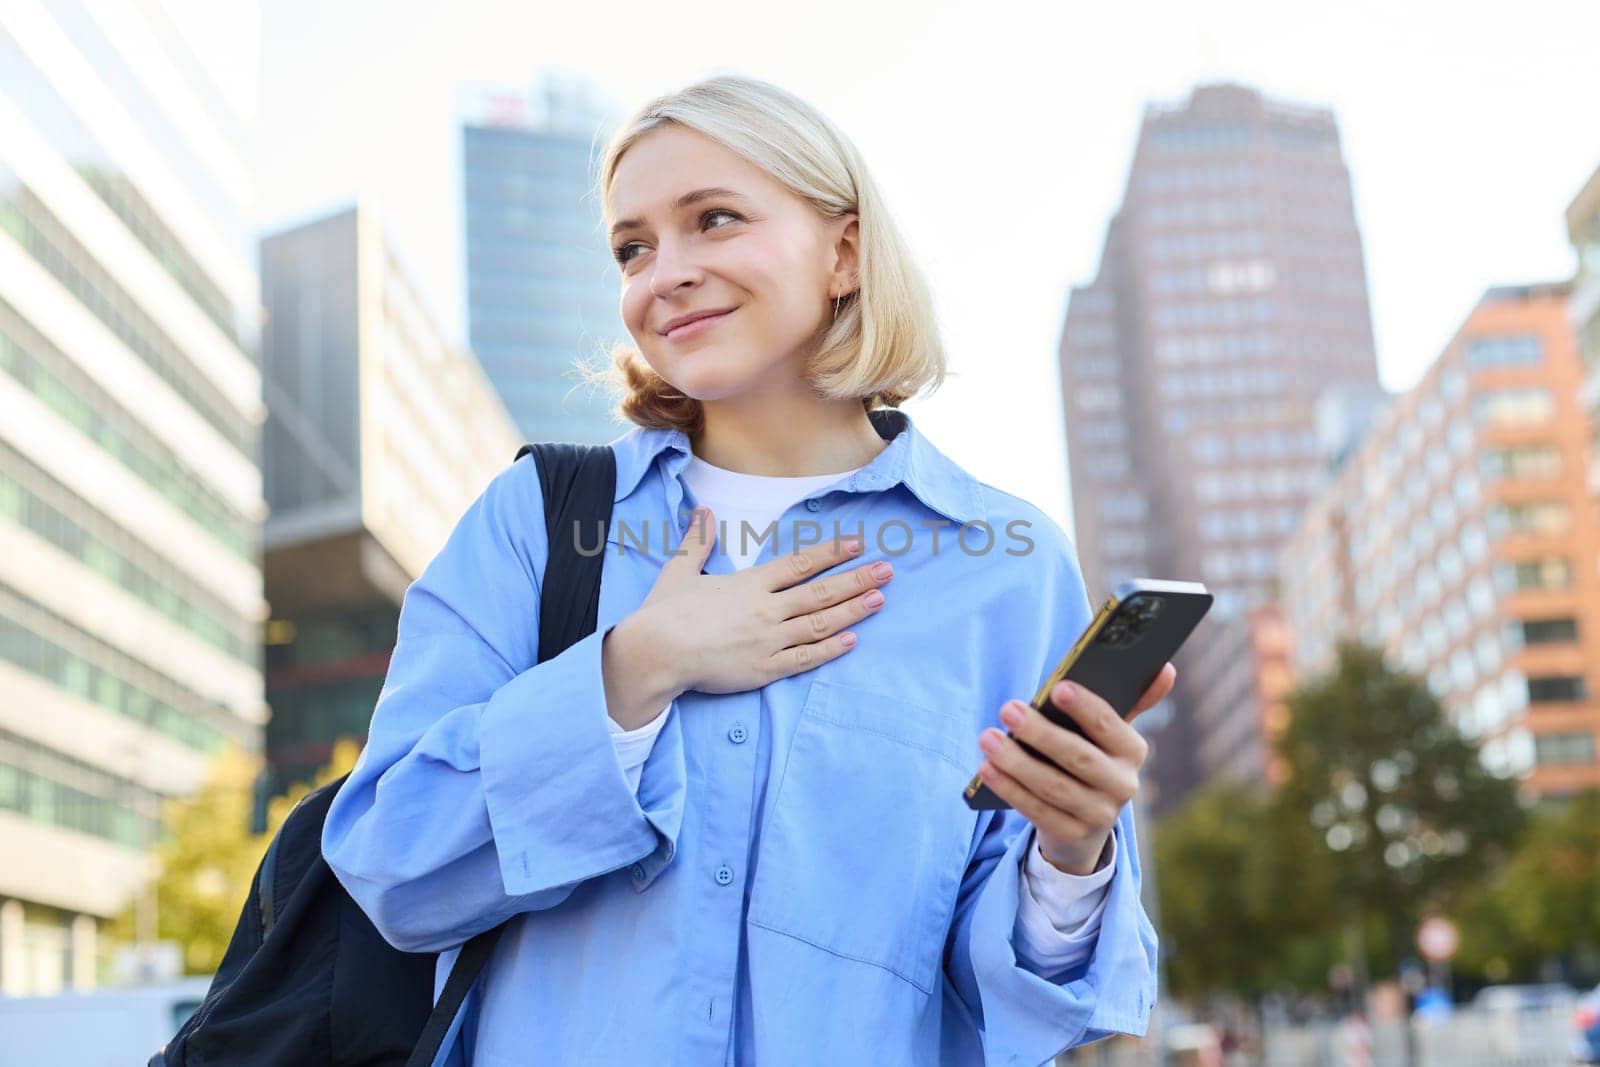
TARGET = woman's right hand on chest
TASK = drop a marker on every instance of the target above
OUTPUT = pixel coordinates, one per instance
(727, 633)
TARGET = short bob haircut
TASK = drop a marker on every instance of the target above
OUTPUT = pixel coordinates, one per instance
(884, 345)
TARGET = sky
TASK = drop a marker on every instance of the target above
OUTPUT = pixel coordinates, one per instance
(1001, 135)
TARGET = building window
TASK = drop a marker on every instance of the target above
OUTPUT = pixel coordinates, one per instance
(1103, 433)
(1546, 572)
(1487, 652)
(1108, 466)
(1520, 462)
(1523, 406)
(1474, 541)
(1556, 689)
(1207, 448)
(1098, 398)
(1565, 748)
(1538, 517)
(1123, 507)
(1549, 631)
(1513, 350)
(1513, 692)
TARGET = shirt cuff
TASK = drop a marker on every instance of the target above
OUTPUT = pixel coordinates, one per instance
(633, 746)
(1058, 913)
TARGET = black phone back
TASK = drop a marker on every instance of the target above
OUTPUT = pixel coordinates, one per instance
(1137, 631)
(1144, 630)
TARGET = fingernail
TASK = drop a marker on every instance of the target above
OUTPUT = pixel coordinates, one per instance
(847, 640)
(1011, 716)
(1066, 692)
(989, 740)
(881, 570)
(872, 599)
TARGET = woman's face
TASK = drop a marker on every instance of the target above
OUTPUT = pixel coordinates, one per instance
(698, 228)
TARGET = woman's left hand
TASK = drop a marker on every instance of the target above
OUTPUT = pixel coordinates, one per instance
(1073, 810)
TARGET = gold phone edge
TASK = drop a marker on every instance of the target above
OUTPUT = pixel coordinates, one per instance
(1060, 672)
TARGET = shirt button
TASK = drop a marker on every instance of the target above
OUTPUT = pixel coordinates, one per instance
(813, 505)
(724, 874)
(737, 734)
(638, 872)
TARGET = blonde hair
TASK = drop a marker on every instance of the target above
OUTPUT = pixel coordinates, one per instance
(883, 347)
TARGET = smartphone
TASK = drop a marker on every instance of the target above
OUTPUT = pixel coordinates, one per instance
(1137, 630)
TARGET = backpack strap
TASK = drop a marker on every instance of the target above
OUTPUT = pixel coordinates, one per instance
(579, 483)
(266, 891)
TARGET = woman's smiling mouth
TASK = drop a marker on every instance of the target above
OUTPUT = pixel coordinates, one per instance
(697, 326)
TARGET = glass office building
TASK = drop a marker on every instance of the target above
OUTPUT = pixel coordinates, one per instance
(130, 486)
(381, 434)
(542, 288)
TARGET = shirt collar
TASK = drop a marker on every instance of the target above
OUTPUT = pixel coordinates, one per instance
(910, 459)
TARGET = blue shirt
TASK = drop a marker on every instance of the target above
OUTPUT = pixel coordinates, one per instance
(797, 879)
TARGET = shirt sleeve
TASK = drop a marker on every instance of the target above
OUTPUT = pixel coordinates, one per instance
(633, 746)
(489, 784)
(1028, 1014)
(1058, 915)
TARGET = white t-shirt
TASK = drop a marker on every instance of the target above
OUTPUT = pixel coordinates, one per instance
(756, 500)
(1058, 917)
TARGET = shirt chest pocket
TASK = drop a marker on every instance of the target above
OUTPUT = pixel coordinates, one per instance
(866, 838)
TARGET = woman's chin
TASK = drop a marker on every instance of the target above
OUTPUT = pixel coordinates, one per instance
(709, 385)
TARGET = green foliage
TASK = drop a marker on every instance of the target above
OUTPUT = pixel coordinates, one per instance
(1545, 902)
(1240, 907)
(208, 856)
(1386, 814)
(1409, 817)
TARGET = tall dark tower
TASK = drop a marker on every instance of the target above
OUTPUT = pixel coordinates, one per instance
(1231, 297)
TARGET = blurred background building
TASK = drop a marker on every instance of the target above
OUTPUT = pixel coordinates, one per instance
(130, 485)
(542, 287)
(1231, 295)
(1461, 539)
(1583, 227)
(380, 435)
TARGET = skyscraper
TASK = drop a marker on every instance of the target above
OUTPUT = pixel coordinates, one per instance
(130, 484)
(542, 288)
(380, 436)
(1230, 295)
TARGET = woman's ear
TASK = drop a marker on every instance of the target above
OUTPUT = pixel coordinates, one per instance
(847, 252)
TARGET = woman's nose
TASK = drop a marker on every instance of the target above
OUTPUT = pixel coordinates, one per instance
(671, 269)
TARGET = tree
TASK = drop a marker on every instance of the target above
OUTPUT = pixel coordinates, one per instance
(208, 856)
(1406, 812)
(1545, 904)
(1246, 900)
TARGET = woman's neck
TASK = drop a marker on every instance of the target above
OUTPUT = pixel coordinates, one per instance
(823, 438)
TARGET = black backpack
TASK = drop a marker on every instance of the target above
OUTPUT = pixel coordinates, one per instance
(307, 978)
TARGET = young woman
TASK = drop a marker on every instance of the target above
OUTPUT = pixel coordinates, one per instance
(730, 822)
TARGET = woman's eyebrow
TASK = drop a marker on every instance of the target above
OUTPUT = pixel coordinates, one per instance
(682, 202)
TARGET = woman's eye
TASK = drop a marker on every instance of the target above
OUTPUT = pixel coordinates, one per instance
(623, 253)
